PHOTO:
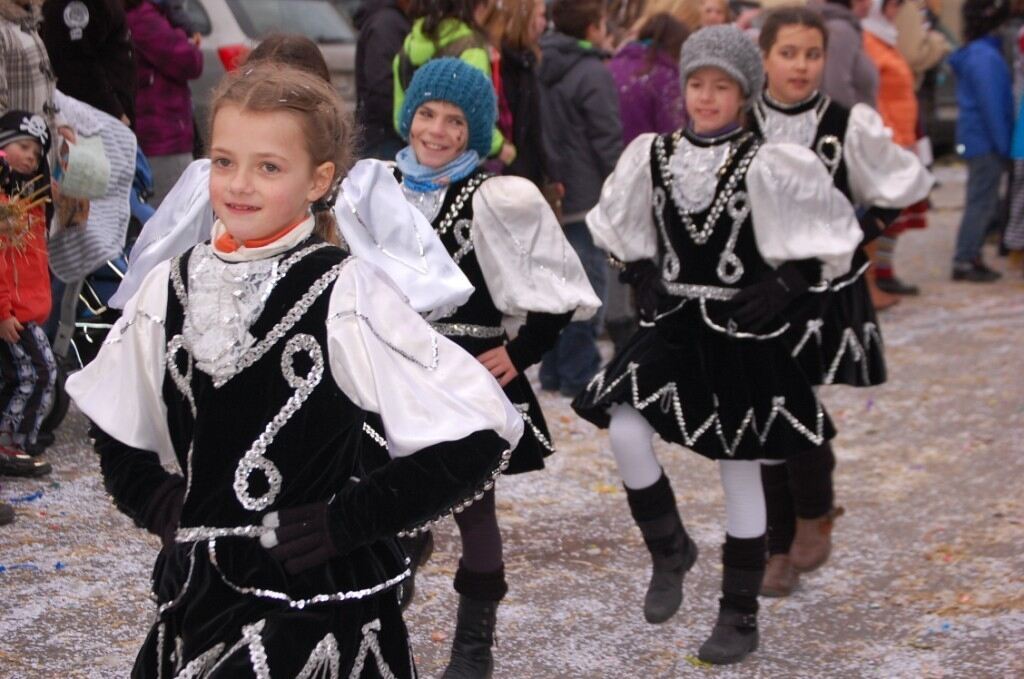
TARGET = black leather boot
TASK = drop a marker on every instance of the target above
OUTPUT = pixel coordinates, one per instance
(734, 636)
(418, 548)
(673, 553)
(474, 636)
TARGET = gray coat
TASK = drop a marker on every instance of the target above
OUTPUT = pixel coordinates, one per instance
(580, 121)
(850, 75)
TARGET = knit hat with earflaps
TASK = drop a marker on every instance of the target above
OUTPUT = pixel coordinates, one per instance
(726, 48)
(456, 82)
(15, 125)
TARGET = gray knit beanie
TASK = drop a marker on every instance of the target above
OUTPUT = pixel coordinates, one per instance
(727, 48)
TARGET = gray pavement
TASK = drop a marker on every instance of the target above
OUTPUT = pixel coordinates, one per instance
(927, 578)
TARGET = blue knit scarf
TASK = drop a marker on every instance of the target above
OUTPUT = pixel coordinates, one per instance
(419, 177)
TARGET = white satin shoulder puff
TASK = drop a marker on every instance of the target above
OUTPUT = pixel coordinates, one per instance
(622, 222)
(881, 173)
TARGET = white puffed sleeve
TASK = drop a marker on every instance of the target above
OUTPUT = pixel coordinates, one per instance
(388, 360)
(121, 389)
(184, 219)
(523, 253)
(622, 222)
(381, 227)
(798, 212)
(881, 173)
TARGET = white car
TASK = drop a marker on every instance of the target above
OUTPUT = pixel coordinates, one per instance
(230, 28)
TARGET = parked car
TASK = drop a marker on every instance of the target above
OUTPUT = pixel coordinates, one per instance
(230, 28)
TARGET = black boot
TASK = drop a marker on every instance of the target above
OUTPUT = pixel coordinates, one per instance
(479, 595)
(474, 636)
(735, 636)
(673, 553)
(418, 548)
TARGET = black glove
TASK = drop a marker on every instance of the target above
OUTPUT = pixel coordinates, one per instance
(301, 538)
(647, 285)
(759, 304)
(537, 336)
(875, 220)
(163, 514)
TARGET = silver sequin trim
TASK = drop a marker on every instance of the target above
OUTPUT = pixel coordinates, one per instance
(731, 331)
(206, 533)
(370, 644)
(202, 665)
(460, 201)
(524, 411)
(375, 435)
(858, 348)
(163, 608)
(251, 640)
(324, 662)
(468, 330)
(667, 396)
(211, 548)
(700, 291)
(813, 329)
(460, 507)
(435, 351)
(255, 458)
(182, 381)
(463, 231)
(286, 323)
(850, 280)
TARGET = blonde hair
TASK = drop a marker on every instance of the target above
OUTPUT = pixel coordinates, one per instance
(327, 127)
(686, 11)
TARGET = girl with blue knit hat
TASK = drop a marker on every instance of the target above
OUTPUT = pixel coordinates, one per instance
(718, 233)
(529, 285)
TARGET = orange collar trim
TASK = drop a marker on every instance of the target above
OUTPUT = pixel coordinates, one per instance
(227, 243)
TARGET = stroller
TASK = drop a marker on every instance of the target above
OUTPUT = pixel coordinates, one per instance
(85, 318)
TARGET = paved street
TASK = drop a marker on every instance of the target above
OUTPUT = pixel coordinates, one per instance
(927, 578)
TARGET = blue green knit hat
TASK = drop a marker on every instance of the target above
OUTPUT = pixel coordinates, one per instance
(456, 82)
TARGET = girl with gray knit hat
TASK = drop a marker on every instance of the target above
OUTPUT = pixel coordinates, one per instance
(718, 233)
(529, 283)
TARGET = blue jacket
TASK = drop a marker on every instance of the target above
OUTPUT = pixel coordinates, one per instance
(985, 98)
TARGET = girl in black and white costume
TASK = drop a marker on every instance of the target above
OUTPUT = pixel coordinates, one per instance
(719, 233)
(529, 283)
(836, 336)
(251, 363)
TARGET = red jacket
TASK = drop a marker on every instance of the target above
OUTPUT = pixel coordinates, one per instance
(25, 275)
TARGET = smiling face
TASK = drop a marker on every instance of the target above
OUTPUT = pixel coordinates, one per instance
(262, 177)
(713, 99)
(795, 63)
(24, 155)
(438, 134)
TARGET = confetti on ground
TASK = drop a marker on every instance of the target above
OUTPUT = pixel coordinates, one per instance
(926, 578)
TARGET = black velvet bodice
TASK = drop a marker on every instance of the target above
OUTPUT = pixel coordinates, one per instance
(289, 388)
(728, 257)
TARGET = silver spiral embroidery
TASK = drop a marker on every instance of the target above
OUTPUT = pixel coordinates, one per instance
(670, 265)
(181, 380)
(255, 458)
(730, 267)
(464, 238)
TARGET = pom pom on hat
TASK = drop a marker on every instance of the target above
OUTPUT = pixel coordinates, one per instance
(456, 82)
(729, 49)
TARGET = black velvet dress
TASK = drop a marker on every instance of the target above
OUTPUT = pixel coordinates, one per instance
(476, 326)
(280, 433)
(834, 334)
(699, 380)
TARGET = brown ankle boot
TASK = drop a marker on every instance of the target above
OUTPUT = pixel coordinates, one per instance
(812, 543)
(780, 578)
(879, 298)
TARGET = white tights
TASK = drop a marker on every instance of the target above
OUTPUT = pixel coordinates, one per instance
(632, 444)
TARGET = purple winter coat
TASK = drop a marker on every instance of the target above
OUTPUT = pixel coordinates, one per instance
(650, 99)
(165, 61)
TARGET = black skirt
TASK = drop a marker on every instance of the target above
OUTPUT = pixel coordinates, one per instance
(535, 445)
(721, 396)
(209, 628)
(836, 337)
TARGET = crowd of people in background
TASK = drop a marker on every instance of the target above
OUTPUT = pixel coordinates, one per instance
(567, 119)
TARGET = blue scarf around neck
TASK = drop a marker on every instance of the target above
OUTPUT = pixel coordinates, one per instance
(419, 177)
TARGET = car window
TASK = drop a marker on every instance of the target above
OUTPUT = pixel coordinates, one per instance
(198, 19)
(316, 19)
